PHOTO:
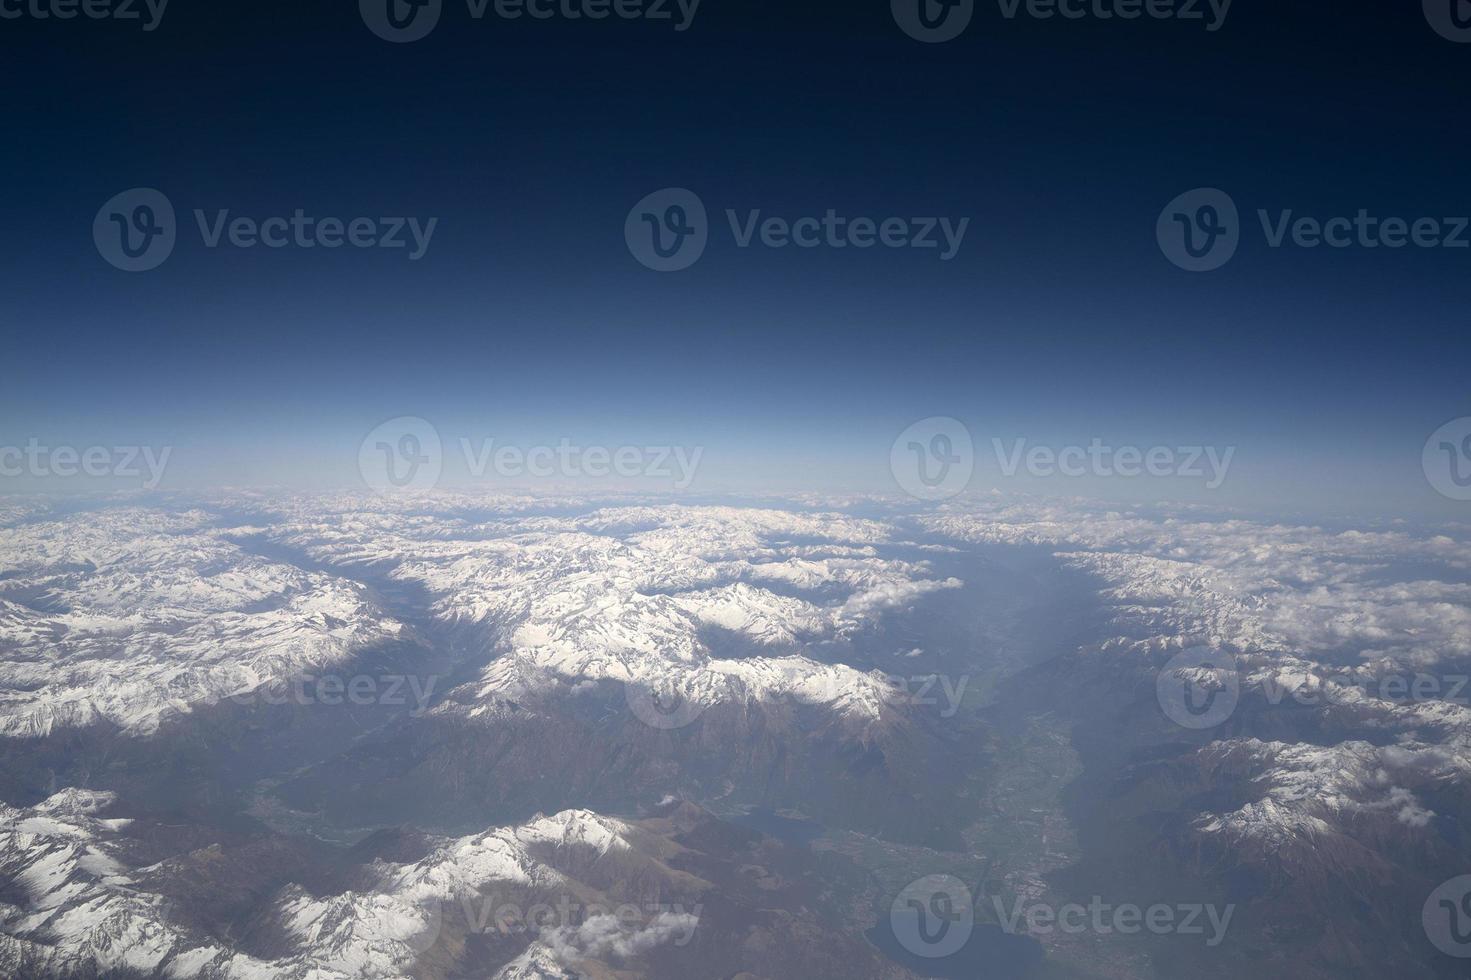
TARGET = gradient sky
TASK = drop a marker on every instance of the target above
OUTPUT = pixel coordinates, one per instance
(528, 321)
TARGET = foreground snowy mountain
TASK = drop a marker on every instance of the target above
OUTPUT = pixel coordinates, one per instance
(562, 895)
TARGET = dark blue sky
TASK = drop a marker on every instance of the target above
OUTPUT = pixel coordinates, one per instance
(529, 321)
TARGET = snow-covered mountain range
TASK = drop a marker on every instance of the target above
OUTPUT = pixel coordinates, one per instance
(585, 658)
